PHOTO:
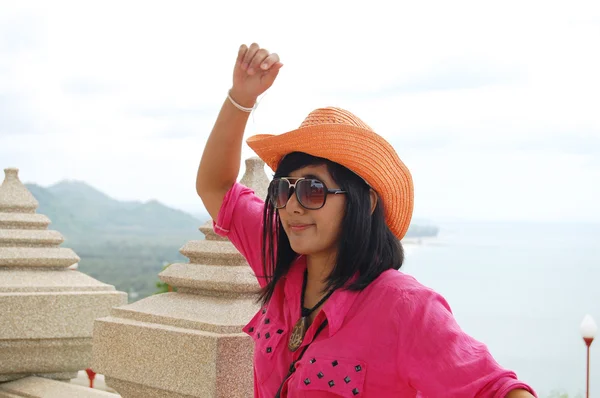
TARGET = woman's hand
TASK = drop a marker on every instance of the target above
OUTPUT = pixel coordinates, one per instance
(254, 72)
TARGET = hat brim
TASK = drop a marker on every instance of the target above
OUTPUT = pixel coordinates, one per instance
(360, 150)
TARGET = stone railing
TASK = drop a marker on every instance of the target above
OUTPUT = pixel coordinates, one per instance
(186, 343)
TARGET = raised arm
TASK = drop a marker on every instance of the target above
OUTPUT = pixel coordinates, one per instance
(254, 72)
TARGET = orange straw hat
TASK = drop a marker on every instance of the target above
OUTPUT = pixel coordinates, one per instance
(338, 135)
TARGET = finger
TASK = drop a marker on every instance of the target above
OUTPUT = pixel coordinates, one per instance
(271, 60)
(241, 53)
(249, 55)
(272, 73)
(259, 57)
(275, 68)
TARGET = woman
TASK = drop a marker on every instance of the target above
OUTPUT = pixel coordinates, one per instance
(338, 318)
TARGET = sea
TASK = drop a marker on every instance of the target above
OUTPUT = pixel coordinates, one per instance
(523, 289)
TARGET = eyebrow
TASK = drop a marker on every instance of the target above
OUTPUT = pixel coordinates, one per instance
(309, 176)
(312, 176)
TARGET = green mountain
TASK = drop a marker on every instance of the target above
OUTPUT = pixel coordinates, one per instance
(125, 244)
(82, 213)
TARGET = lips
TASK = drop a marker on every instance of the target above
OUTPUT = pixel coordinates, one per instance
(299, 227)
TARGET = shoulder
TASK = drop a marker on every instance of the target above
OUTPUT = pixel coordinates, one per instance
(239, 202)
(397, 283)
(405, 294)
(240, 190)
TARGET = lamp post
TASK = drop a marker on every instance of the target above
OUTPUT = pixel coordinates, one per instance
(588, 330)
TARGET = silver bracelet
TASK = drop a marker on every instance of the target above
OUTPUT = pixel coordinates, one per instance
(241, 108)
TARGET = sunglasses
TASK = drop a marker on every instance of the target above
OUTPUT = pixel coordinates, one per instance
(310, 192)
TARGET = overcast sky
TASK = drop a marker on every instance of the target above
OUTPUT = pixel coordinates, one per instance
(494, 108)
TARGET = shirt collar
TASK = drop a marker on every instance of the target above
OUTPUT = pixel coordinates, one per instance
(335, 308)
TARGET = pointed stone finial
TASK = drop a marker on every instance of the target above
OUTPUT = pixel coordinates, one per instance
(14, 196)
(255, 177)
(24, 237)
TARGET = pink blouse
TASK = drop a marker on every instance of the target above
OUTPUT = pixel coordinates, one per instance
(396, 338)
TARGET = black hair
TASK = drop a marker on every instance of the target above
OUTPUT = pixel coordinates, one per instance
(366, 245)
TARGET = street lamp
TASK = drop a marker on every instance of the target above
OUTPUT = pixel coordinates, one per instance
(588, 330)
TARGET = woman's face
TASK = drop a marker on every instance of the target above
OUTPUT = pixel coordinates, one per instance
(312, 232)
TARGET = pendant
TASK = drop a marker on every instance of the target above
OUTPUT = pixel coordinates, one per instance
(297, 335)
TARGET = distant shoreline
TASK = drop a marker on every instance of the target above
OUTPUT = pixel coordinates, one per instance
(417, 240)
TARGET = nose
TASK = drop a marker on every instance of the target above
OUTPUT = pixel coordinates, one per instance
(292, 206)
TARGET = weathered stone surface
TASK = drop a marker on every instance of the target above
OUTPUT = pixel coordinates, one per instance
(48, 280)
(30, 238)
(61, 376)
(190, 311)
(15, 197)
(58, 314)
(255, 176)
(37, 257)
(44, 357)
(211, 279)
(34, 387)
(23, 221)
(186, 365)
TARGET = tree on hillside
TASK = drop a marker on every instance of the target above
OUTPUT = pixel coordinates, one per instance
(562, 394)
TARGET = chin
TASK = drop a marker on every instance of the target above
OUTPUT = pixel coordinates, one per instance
(303, 247)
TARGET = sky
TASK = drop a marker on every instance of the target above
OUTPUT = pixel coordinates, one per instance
(493, 106)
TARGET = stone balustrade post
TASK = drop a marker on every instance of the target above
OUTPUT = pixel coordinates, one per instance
(47, 311)
(187, 343)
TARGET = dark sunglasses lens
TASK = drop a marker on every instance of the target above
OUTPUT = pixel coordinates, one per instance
(311, 193)
(279, 192)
